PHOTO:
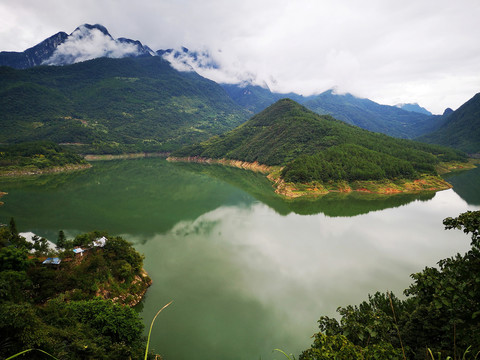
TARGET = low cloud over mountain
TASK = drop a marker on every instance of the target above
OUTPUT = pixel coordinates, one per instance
(90, 42)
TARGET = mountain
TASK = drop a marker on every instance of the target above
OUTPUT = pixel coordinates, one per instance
(364, 113)
(141, 101)
(288, 134)
(461, 128)
(414, 108)
(372, 116)
(256, 98)
(84, 43)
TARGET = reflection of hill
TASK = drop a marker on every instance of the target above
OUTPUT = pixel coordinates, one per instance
(132, 196)
(466, 185)
(333, 204)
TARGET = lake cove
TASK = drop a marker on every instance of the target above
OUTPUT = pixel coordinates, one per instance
(247, 271)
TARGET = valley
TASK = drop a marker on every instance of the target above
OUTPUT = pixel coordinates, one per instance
(258, 212)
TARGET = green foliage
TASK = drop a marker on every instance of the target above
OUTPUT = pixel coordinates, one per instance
(315, 147)
(441, 312)
(461, 129)
(469, 222)
(114, 105)
(36, 155)
(12, 258)
(56, 309)
(338, 347)
(347, 162)
(95, 328)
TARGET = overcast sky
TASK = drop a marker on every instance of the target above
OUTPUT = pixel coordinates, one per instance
(425, 51)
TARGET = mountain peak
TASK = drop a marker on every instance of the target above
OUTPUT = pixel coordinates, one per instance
(88, 27)
(413, 107)
(86, 42)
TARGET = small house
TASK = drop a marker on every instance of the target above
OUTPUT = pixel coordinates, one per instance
(78, 251)
(100, 242)
(52, 261)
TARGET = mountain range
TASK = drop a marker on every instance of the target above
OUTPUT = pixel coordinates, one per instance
(114, 105)
(89, 42)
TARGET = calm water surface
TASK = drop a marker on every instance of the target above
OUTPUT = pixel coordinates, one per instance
(247, 271)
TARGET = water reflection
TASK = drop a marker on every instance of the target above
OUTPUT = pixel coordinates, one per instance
(334, 204)
(245, 281)
(466, 184)
(247, 270)
(149, 196)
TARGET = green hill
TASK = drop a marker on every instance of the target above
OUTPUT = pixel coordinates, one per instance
(461, 130)
(316, 148)
(114, 104)
(364, 113)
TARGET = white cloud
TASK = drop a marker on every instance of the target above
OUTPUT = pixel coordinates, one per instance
(389, 51)
(85, 44)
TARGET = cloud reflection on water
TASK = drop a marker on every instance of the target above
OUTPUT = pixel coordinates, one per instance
(287, 271)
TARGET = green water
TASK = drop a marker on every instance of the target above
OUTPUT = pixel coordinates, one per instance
(248, 272)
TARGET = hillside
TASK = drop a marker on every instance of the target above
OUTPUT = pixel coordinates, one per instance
(461, 129)
(311, 147)
(372, 116)
(104, 103)
(73, 305)
(36, 158)
(407, 121)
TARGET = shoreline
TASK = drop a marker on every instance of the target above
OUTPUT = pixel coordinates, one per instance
(316, 189)
(255, 166)
(107, 157)
(50, 170)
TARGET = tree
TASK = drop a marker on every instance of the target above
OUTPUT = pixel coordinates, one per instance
(441, 313)
(12, 258)
(61, 240)
(469, 222)
(13, 227)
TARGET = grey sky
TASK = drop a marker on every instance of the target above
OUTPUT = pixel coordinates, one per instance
(425, 51)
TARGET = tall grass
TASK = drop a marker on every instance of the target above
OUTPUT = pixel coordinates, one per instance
(151, 327)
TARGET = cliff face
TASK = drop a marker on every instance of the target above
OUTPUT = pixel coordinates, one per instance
(35, 55)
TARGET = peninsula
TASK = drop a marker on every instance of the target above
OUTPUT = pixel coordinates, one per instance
(306, 154)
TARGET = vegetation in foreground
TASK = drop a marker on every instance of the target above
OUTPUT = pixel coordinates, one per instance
(37, 157)
(77, 309)
(440, 319)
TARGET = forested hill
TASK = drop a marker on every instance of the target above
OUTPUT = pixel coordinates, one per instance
(364, 113)
(315, 147)
(142, 102)
(461, 130)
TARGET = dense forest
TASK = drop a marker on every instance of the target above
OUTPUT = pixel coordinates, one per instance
(114, 105)
(71, 308)
(439, 318)
(320, 148)
(38, 155)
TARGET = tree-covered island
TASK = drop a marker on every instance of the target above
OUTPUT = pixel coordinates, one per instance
(74, 302)
(305, 153)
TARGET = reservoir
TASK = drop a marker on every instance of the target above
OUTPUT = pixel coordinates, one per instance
(248, 272)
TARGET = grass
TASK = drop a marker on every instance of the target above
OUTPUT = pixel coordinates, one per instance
(151, 327)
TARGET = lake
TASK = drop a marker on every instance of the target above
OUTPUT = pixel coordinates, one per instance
(247, 271)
